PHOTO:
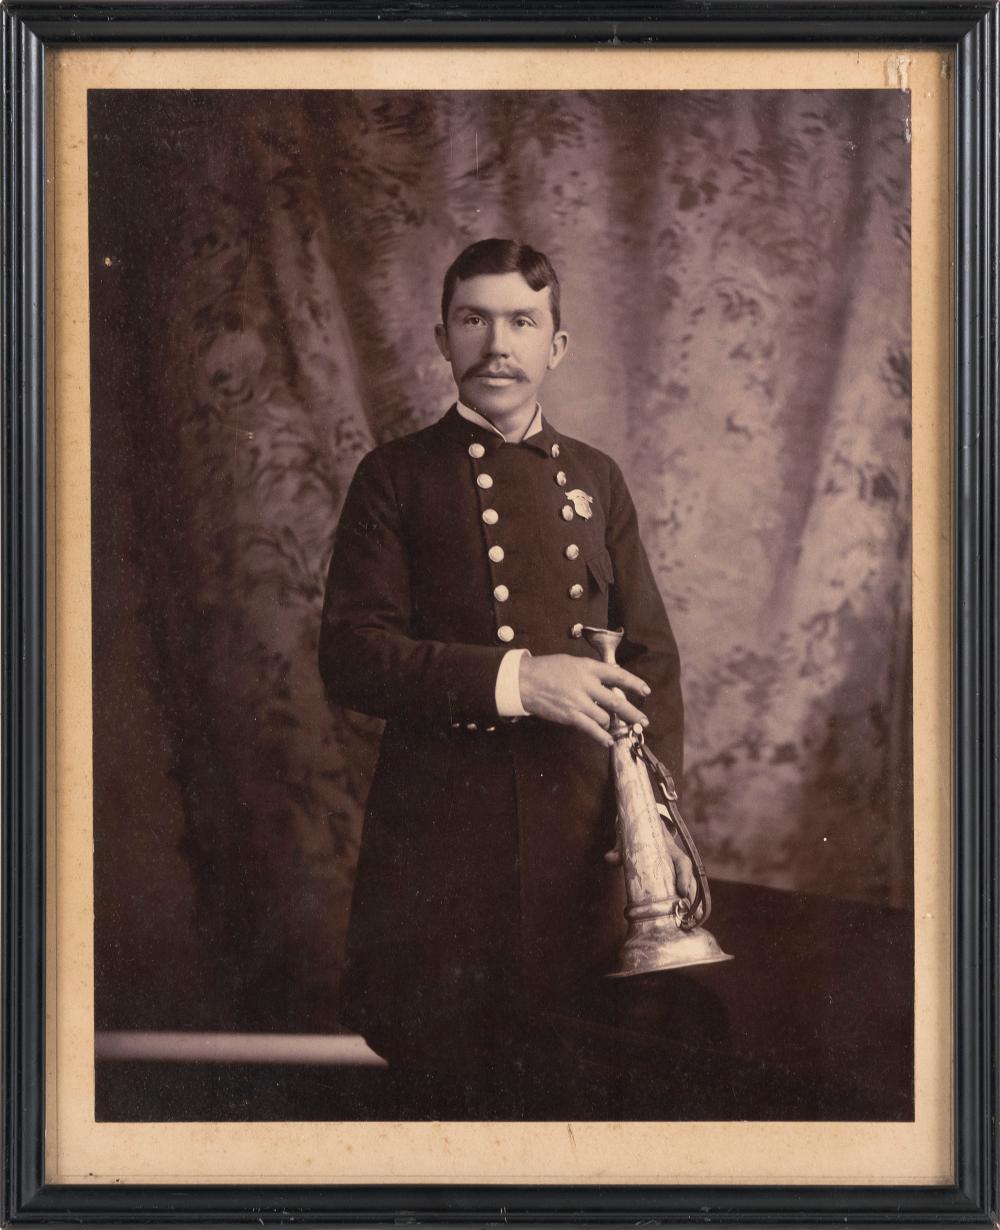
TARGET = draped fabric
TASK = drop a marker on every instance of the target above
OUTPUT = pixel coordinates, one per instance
(265, 278)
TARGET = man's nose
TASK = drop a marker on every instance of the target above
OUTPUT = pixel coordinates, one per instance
(499, 338)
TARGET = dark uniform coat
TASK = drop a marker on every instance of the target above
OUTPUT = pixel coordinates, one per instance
(482, 894)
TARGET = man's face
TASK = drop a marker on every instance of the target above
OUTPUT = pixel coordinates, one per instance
(500, 341)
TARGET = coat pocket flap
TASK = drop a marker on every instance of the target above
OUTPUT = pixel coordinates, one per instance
(599, 563)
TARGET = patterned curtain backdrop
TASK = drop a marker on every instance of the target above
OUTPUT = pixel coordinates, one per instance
(265, 279)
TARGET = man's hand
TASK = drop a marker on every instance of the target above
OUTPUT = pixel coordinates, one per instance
(580, 692)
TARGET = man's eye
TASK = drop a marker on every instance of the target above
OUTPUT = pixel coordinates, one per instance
(473, 320)
(525, 320)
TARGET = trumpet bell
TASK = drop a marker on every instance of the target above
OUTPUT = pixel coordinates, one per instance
(657, 942)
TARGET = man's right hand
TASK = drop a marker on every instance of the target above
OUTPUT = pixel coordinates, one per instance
(580, 692)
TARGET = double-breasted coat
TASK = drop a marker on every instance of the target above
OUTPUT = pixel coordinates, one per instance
(482, 892)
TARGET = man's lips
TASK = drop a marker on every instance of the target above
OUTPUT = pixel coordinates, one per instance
(499, 376)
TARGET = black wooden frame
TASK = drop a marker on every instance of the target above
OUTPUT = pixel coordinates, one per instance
(971, 29)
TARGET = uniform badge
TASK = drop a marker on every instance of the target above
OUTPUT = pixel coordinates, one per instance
(581, 503)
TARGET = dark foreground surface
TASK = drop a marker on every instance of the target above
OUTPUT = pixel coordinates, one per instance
(812, 1020)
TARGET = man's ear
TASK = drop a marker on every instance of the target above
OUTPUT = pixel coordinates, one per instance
(560, 343)
(441, 337)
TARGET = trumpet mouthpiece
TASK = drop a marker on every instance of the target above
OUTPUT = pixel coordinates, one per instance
(605, 641)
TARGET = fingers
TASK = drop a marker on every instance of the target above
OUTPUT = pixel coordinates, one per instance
(585, 694)
(618, 676)
(613, 701)
(593, 710)
(590, 727)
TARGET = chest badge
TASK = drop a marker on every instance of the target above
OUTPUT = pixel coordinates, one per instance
(581, 503)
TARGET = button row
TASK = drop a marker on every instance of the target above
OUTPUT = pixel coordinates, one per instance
(486, 481)
(501, 593)
(476, 450)
(506, 633)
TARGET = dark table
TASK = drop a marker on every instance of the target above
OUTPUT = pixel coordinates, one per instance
(813, 1019)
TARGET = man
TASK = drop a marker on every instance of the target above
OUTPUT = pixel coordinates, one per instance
(468, 559)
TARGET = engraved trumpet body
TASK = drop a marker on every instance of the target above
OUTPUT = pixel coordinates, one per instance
(668, 896)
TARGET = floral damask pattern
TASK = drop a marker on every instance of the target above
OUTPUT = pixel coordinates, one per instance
(266, 275)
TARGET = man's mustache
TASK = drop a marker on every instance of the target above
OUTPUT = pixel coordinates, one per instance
(486, 369)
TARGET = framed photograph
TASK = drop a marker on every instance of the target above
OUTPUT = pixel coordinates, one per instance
(500, 614)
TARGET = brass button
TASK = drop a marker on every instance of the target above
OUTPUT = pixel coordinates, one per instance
(561, 478)
(496, 554)
(505, 632)
(471, 726)
(491, 516)
(477, 451)
(501, 593)
(576, 631)
(567, 512)
(489, 729)
(484, 481)
(572, 551)
(576, 591)
(554, 450)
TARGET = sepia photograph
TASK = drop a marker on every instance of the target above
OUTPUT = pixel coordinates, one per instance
(502, 623)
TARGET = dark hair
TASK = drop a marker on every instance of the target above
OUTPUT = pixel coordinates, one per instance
(502, 256)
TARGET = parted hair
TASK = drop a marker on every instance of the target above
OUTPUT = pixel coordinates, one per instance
(502, 256)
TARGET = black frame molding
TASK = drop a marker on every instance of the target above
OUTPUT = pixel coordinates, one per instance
(30, 27)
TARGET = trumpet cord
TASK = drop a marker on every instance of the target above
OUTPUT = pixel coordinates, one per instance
(701, 906)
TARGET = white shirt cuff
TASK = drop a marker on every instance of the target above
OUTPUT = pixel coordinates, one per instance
(508, 690)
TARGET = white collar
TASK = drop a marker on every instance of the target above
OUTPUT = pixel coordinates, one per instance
(534, 427)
